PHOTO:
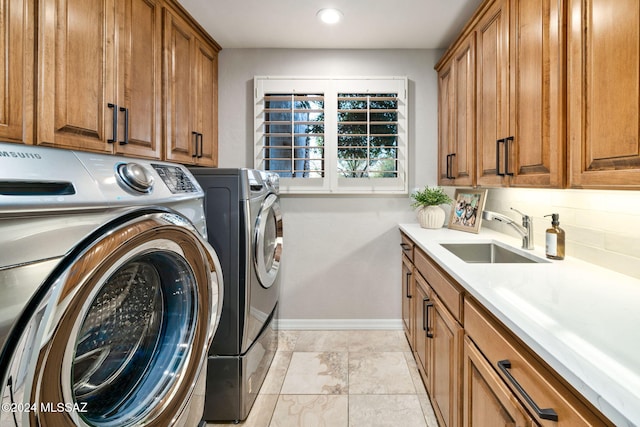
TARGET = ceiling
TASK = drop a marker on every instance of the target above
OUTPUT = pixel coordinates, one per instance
(367, 24)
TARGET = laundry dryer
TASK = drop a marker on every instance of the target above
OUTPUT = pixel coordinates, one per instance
(245, 226)
(110, 293)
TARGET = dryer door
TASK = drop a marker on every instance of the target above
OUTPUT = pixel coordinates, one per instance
(268, 241)
(122, 335)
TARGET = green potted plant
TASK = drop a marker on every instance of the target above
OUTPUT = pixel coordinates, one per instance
(428, 201)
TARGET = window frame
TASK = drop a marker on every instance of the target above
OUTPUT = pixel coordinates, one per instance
(330, 87)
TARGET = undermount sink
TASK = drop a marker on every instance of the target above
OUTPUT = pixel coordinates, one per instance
(490, 253)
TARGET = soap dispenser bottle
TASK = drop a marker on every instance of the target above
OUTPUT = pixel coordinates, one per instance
(554, 242)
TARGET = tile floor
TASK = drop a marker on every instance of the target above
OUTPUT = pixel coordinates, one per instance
(342, 379)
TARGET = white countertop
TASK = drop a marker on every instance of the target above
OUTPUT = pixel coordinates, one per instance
(583, 320)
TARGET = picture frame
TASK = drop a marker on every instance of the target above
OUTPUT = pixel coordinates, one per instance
(466, 211)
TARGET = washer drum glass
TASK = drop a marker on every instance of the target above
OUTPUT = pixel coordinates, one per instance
(132, 336)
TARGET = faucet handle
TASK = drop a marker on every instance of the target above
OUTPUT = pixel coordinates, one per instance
(525, 217)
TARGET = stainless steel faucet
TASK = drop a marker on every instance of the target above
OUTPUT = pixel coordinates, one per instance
(525, 230)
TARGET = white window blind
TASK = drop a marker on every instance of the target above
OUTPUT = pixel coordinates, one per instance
(332, 135)
(293, 140)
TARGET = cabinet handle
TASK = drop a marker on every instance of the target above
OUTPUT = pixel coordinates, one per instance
(407, 282)
(201, 146)
(195, 144)
(425, 320)
(498, 142)
(114, 107)
(447, 168)
(126, 126)
(545, 414)
(451, 168)
(507, 153)
(405, 246)
(426, 307)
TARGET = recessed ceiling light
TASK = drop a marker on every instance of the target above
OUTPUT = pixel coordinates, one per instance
(329, 16)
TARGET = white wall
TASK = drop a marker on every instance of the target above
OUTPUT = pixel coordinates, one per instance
(341, 258)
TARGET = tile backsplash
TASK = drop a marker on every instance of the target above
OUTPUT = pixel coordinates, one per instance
(602, 227)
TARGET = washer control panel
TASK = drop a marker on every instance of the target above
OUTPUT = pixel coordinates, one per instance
(175, 179)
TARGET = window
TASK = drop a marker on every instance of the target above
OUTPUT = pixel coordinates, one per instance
(333, 135)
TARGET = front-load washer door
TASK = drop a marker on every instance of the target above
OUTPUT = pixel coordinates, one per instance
(268, 241)
(122, 336)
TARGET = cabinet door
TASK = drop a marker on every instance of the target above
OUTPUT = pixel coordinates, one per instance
(179, 45)
(603, 86)
(537, 151)
(423, 307)
(445, 373)
(446, 120)
(487, 400)
(492, 54)
(76, 79)
(206, 103)
(457, 116)
(139, 77)
(16, 70)
(407, 300)
(462, 161)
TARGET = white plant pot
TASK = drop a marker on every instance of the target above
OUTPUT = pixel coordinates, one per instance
(431, 217)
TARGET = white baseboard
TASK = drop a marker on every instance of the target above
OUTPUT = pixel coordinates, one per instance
(338, 324)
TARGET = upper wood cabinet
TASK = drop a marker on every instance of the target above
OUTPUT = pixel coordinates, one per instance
(139, 76)
(537, 94)
(521, 94)
(191, 93)
(603, 81)
(493, 91)
(99, 76)
(100, 80)
(519, 99)
(16, 65)
(456, 115)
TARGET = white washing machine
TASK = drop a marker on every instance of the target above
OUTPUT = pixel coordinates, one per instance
(110, 293)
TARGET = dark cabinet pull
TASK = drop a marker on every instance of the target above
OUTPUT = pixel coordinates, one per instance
(405, 246)
(126, 126)
(545, 414)
(195, 144)
(508, 144)
(425, 320)
(201, 146)
(114, 107)
(498, 142)
(408, 279)
(452, 155)
(426, 306)
(447, 167)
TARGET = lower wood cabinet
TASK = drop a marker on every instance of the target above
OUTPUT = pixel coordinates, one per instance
(475, 370)
(408, 309)
(487, 401)
(408, 289)
(438, 341)
(544, 394)
(422, 348)
(446, 353)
